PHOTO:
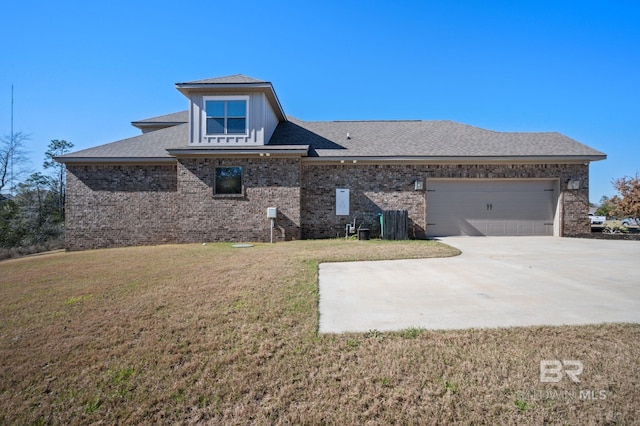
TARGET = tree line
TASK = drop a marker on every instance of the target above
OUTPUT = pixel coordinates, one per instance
(32, 206)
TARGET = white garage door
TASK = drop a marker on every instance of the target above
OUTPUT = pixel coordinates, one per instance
(490, 207)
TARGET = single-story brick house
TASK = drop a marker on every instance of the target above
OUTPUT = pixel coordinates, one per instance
(211, 172)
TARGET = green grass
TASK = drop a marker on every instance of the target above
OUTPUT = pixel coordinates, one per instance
(411, 332)
(213, 334)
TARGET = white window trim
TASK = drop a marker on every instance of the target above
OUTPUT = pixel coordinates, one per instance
(203, 120)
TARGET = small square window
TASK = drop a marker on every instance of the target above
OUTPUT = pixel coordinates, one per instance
(228, 180)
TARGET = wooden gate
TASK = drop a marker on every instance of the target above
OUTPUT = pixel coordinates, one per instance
(395, 225)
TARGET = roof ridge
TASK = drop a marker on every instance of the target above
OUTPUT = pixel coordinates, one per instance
(378, 121)
(524, 132)
(163, 118)
(227, 79)
(409, 120)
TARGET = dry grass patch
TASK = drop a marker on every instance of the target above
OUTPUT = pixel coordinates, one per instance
(213, 334)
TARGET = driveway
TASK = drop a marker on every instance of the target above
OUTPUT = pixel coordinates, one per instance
(496, 282)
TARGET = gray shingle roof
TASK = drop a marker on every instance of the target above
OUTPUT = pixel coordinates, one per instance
(230, 79)
(151, 145)
(176, 117)
(423, 139)
(154, 146)
(381, 139)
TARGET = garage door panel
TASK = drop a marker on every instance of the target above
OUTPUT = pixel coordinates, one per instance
(472, 227)
(490, 207)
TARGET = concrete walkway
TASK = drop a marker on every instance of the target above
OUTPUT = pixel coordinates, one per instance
(496, 282)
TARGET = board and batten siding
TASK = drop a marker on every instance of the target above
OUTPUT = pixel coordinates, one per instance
(270, 120)
(261, 122)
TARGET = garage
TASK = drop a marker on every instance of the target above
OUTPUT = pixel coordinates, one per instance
(490, 207)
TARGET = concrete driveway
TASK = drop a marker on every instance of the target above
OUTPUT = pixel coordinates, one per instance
(496, 282)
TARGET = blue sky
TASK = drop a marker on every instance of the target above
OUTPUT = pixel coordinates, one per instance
(82, 71)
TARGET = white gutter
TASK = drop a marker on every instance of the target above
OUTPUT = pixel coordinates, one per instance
(456, 159)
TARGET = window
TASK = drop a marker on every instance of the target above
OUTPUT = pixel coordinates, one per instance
(228, 180)
(226, 117)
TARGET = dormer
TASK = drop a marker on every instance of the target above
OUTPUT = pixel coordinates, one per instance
(231, 111)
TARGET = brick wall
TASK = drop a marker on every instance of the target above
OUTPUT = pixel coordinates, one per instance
(575, 203)
(112, 206)
(374, 188)
(267, 182)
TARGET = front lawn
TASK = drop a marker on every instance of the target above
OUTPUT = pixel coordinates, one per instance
(215, 334)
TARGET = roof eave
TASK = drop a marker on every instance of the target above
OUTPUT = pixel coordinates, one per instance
(140, 124)
(462, 159)
(302, 151)
(295, 151)
(191, 86)
(115, 160)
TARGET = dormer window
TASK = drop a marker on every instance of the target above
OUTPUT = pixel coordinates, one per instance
(225, 115)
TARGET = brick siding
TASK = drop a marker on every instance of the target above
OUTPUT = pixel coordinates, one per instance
(272, 182)
(118, 205)
(112, 206)
(374, 188)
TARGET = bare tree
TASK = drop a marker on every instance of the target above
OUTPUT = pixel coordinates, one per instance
(58, 147)
(13, 157)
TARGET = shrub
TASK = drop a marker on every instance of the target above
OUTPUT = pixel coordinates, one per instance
(614, 227)
(19, 251)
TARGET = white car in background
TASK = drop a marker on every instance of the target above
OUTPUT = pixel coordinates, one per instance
(597, 220)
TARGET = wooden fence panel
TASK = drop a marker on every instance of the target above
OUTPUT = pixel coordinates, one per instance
(396, 224)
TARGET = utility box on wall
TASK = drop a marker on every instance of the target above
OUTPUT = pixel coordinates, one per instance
(342, 202)
(272, 213)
